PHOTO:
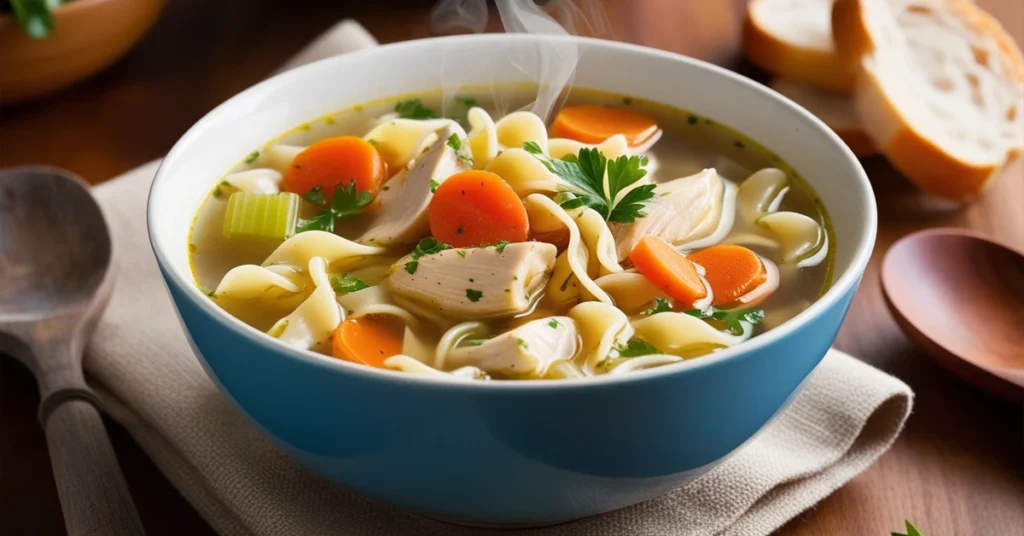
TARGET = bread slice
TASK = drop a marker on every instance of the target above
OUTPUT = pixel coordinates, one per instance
(940, 89)
(793, 39)
(834, 110)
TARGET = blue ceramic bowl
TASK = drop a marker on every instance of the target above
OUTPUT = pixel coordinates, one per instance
(508, 452)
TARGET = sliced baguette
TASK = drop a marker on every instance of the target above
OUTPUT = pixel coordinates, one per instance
(793, 39)
(940, 89)
(834, 110)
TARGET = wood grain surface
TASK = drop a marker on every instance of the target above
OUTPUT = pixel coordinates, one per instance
(957, 469)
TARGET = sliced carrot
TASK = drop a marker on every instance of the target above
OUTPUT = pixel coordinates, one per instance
(594, 124)
(369, 339)
(336, 161)
(668, 269)
(477, 208)
(732, 271)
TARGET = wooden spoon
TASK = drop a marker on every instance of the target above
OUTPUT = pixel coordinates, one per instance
(55, 280)
(960, 296)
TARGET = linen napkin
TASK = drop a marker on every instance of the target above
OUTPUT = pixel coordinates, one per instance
(144, 372)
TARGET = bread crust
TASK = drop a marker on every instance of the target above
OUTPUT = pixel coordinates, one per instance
(918, 155)
(823, 69)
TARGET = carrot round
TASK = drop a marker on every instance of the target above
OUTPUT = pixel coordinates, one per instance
(336, 161)
(477, 208)
(594, 124)
(732, 271)
(368, 340)
(668, 269)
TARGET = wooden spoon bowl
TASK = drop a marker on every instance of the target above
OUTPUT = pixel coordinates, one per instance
(960, 296)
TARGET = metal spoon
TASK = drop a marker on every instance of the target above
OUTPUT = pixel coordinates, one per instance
(55, 280)
(960, 296)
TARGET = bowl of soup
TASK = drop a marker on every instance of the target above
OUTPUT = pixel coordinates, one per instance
(487, 305)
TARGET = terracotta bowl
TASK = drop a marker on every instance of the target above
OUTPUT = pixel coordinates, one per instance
(88, 36)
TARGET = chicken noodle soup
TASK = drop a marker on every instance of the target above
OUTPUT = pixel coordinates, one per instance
(459, 240)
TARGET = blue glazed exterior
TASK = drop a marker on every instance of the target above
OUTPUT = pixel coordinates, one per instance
(525, 455)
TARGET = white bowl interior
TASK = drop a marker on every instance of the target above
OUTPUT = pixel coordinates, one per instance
(264, 111)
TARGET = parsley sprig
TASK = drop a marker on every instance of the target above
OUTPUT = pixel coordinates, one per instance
(414, 109)
(426, 246)
(583, 175)
(636, 347)
(345, 202)
(732, 318)
(661, 305)
(347, 284)
(456, 144)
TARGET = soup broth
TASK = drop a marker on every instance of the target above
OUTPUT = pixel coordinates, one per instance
(563, 280)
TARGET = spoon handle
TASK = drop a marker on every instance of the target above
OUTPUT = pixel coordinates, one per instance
(92, 490)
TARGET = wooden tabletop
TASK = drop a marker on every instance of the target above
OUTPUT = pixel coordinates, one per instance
(958, 468)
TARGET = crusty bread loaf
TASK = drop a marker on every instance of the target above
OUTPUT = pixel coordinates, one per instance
(940, 89)
(836, 111)
(793, 39)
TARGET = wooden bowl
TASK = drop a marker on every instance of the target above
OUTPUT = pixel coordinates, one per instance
(88, 36)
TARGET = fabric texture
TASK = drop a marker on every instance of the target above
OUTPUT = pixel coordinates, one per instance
(142, 368)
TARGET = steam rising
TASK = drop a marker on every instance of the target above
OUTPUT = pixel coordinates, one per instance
(551, 65)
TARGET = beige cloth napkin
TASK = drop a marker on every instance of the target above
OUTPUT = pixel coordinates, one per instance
(148, 379)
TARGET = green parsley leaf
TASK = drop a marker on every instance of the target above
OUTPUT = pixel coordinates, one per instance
(33, 16)
(661, 305)
(472, 342)
(553, 323)
(474, 295)
(635, 348)
(584, 184)
(217, 192)
(252, 157)
(456, 144)
(414, 109)
(462, 253)
(522, 343)
(347, 284)
(911, 530)
(426, 246)
(345, 202)
(732, 318)
(316, 196)
(433, 185)
(500, 246)
(468, 101)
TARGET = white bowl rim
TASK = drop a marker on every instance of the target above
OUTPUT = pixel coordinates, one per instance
(840, 286)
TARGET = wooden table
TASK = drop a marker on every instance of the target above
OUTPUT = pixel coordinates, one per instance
(958, 468)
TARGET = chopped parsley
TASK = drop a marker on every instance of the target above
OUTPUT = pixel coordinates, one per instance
(426, 246)
(345, 202)
(661, 305)
(434, 184)
(474, 295)
(461, 252)
(522, 343)
(252, 157)
(347, 284)
(553, 323)
(472, 342)
(219, 190)
(500, 246)
(732, 318)
(414, 109)
(372, 142)
(469, 102)
(584, 184)
(316, 196)
(636, 347)
(456, 144)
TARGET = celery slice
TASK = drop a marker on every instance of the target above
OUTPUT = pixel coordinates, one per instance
(261, 216)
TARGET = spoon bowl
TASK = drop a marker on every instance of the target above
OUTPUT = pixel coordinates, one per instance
(55, 280)
(960, 296)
